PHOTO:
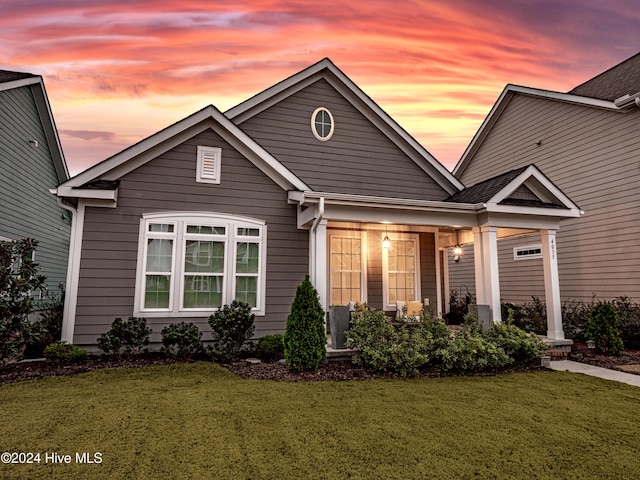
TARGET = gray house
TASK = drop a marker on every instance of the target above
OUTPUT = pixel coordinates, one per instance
(586, 142)
(32, 163)
(308, 177)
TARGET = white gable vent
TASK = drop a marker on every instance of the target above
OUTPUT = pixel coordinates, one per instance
(209, 160)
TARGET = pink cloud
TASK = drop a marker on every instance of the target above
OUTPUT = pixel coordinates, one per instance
(103, 49)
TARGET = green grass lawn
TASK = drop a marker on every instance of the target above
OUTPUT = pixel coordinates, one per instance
(199, 421)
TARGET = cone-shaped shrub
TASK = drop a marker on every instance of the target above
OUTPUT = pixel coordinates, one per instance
(305, 338)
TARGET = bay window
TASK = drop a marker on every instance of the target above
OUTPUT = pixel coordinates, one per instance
(193, 263)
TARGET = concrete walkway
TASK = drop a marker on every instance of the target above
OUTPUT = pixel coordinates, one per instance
(614, 375)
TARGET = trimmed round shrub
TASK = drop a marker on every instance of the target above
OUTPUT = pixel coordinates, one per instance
(125, 336)
(182, 339)
(231, 326)
(64, 353)
(270, 348)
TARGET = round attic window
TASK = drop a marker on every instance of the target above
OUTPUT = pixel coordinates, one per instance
(322, 124)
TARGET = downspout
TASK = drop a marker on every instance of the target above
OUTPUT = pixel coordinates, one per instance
(67, 316)
(314, 228)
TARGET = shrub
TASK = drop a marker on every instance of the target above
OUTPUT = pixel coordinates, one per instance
(270, 348)
(125, 336)
(575, 318)
(520, 346)
(402, 350)
(305, 338)
(471, 351)
(48, 328)
(629, 316)
(63, 353)
(182, 339)
(232, 325)
(604, 328)
(19, 278)
(530, 317)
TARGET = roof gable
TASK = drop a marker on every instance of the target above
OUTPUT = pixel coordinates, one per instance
(524, 187)
(12, 80)
(326, 70)
(111, 169)
(509, 92)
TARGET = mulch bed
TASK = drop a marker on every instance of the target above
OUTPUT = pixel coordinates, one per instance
(628, 361)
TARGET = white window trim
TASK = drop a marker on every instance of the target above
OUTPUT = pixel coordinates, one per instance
(313, 124)
(362, 235)
(206, 155)
(385, 267)
(179, 235)
(532, 256)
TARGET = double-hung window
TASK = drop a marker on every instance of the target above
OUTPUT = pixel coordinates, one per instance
(347, 265)
(401, 272)
(189, 264)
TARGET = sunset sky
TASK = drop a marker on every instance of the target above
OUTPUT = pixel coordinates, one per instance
(118, 71)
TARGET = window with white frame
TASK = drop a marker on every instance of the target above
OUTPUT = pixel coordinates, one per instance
(347, 264)
(322, 124)
(401, 269)
(527, 252)
(190, 263)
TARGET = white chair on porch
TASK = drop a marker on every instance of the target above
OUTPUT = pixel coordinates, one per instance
(409, 311)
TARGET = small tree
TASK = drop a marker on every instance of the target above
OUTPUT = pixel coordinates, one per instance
(305, 339)
(19, 278)
(604, 328)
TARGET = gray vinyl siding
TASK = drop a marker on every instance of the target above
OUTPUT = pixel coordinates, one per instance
(27, 173)
(462, 277)
(593, 156)
(165, 184)
(358, 159)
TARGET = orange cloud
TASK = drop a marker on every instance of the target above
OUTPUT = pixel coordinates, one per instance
(437, 66)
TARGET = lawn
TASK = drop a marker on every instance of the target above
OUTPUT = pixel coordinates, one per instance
(200, 421)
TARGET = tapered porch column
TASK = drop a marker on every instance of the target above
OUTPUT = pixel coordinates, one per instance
(318, 260)
(490, 279)
(478, 256)
(551, 285)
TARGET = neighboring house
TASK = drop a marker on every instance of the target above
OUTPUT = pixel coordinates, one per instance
(308, 177)
(32, 163)
(586, 142)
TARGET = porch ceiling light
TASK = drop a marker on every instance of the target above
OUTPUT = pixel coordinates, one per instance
(457, 250)
(386, 241)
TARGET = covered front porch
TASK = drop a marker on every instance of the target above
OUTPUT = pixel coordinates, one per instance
(387, 250)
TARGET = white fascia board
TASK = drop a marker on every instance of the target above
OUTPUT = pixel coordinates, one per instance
(209, 117)
(381, 119)
(310, 198)
(390, 123)
(533, 171)
(509, 91)
(106, 166)
(537, 211)
(275, 93)
(88, 193)
(20, 83)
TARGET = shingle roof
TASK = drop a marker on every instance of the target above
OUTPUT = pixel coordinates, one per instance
(8, 76)
(486, 190)
(622, 79)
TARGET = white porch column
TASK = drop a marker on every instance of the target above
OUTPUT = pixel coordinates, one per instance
(551, 285)
(491, 285)
(318, 260)
(478, 258)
